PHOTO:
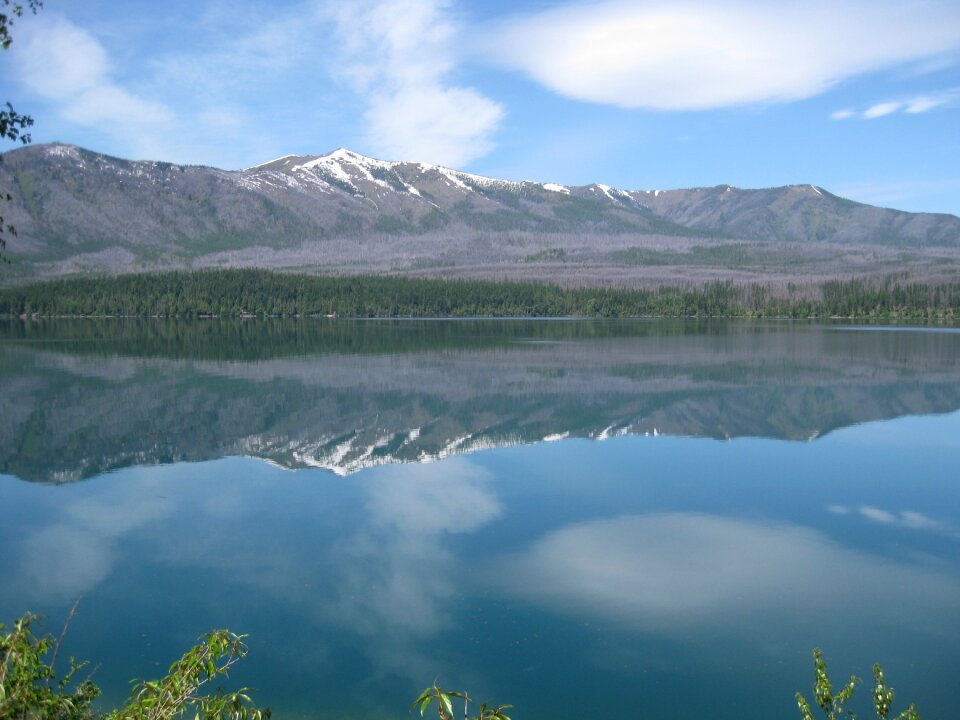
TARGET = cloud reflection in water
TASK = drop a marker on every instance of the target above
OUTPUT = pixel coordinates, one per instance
(671, 572)
(77, 550)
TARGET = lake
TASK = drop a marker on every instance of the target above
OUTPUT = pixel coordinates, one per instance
(654, 519)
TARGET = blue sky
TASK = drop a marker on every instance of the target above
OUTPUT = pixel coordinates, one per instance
(860, 97)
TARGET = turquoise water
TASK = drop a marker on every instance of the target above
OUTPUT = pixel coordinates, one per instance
(375, 505)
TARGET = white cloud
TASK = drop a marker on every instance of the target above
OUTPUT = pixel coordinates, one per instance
(66, 65)
(184, 106)
(397, 54)
(703, 54)
(57, 58)
(881, 109)
(922, 105)
(925, 103)
(913, 106)
(110, 104)
(448, 126)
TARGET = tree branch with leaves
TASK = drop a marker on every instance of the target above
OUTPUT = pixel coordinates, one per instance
(31, 690)
(833, 704)
(12, 124)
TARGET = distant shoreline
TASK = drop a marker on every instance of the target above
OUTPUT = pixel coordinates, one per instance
(262, 293)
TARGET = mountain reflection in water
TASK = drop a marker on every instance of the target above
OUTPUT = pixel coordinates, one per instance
(669, 576)
(81, 397)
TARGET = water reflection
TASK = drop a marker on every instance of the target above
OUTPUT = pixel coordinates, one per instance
(902, 518)
(366, 567)
(664, 573)
(672, 572)
(75, 549)
(81, 398)
(511, 573)
(395, 574)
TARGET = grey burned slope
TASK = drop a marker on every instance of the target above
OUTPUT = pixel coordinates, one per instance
(79, 211)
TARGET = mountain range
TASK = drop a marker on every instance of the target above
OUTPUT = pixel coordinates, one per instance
(78, 211)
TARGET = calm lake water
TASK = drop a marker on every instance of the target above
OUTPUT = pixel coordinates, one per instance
(584, 519)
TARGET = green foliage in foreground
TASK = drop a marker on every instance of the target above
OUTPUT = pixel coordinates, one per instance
(263, 293)
(832, 703)
(444, 701)
(30, 689)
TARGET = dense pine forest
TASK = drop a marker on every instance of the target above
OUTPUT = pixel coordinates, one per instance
(235, 293)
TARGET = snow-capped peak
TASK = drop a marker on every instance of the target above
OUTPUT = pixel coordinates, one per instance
(345, 155)
(345, 168)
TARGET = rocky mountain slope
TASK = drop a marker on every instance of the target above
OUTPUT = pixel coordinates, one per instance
(78, 211)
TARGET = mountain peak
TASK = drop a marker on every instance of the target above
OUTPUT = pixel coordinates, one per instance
(343, 153)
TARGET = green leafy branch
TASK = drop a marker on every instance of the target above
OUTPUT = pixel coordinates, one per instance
(7, 21)
(444, 700)
(170, 696)
(26, 674)
(25, 677)
(12, 123)
(833, 704)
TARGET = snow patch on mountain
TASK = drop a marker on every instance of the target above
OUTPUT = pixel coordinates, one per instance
(608, 191)
(67, 151)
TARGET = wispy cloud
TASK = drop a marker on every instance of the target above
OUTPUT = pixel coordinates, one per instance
(233, 53)
(397, 55)
(703, 54)
(911, 106)
(842, 114)
(881, 109)
(66, 65)
(202, 100)
(925, 103)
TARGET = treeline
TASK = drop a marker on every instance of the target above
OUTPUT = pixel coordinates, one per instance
(232, 338)
(233, 293)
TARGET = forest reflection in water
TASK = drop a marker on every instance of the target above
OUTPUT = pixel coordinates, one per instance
(667, 575)
(83, 397)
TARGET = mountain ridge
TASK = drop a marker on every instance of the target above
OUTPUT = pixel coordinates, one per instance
(78, 212)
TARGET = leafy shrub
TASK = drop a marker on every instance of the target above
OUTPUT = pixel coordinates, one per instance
(833, 704)
(30, 689)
